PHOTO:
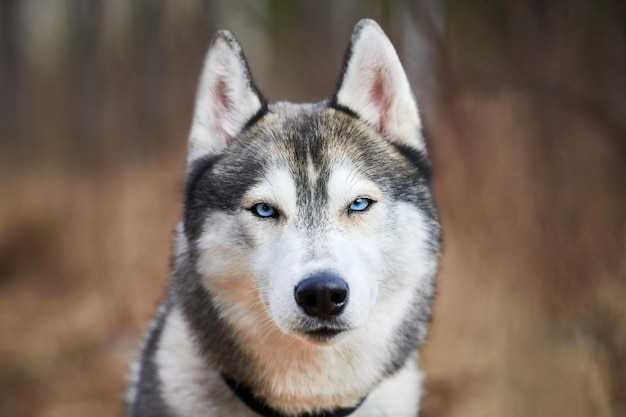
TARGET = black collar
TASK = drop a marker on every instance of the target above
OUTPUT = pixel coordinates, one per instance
(259, 406)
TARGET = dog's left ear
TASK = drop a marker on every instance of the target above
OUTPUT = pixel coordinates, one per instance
(226, 101)
(373, 85)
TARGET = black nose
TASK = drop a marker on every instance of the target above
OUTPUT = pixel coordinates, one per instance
(323, 295)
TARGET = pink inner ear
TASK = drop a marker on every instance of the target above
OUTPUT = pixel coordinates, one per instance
(379, 95)
(222, 107)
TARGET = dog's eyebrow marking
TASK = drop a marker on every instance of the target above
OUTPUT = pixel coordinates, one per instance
(276, 187)
(345, 184)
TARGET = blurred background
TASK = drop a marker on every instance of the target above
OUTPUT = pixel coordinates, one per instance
(525, 108)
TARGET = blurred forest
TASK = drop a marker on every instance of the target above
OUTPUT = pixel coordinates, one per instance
(525, 107)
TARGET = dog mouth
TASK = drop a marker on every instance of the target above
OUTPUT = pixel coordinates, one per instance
(322, 331)
(323, 334)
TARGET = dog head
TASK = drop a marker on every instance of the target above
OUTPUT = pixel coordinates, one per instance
(316, 220)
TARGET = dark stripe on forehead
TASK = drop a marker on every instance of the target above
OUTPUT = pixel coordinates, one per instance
(308, 143)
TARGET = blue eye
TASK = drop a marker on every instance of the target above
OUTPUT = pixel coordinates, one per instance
(264, 210)
(360, 204)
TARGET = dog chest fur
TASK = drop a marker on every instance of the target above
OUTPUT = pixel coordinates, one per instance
(190, 388)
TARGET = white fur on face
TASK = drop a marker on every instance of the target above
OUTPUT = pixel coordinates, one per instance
(378, 252)
(252, 266)
(290, 249)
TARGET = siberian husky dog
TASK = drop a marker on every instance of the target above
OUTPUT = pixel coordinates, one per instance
(304, 263)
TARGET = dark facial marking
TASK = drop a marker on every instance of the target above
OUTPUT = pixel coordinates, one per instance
(194, 201)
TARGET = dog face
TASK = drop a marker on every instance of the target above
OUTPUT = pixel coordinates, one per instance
(315, 220)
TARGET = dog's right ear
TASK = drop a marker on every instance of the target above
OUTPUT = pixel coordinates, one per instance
(226, 101)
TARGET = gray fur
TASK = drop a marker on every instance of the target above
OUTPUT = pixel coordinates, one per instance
(214, 336)
(147, 401)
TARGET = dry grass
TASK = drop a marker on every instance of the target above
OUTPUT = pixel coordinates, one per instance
(84, 261)
(528, 318)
